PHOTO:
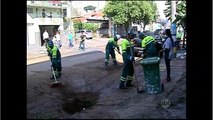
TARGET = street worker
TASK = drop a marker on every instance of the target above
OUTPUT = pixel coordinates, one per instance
(177, 42)
(128, 59)
(149, 46)
(112, 43)
(55, 57)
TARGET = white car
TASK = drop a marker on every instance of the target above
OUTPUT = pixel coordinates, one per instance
(88, 34)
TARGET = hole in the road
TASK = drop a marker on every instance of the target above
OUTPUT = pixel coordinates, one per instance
(79, 101)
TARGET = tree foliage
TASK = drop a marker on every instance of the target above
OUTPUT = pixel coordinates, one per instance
(180, 14)
(168, 10)
(90, 26)
(78, 25)
(125, 12)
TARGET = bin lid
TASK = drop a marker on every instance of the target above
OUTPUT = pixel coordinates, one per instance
(151, 60)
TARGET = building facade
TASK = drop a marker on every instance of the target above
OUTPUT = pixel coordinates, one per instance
(41, 16)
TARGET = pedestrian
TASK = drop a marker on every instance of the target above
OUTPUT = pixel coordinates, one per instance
(55, 58)
(168, 52)
(111, 45)
(148, 45)
(43, 13)
(70, 38)
(45, 38)
(50, 15)
(82, 44)
(58, 38)
(128, 59)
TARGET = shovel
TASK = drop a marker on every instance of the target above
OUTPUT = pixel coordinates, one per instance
(55, 83)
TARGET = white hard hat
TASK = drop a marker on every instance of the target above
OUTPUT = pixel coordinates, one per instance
(118, 36)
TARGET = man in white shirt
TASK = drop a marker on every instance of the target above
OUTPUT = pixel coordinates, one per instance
(45, 37)
(58, 38)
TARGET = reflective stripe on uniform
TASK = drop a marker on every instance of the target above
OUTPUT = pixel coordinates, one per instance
(107, 60)
(123, 79)
(111, 40)
(125, 44)
(147, 40)
(130, 78)
(54, 51)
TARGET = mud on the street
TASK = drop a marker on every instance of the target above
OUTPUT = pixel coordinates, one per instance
(91, 92)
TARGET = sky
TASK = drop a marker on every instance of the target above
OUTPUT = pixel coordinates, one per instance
(100, 4)
(161, 6)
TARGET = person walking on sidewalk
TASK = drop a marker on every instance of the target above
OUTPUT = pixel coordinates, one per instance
(55, 57)
(70, 38)
(168, 52)
(82, 44)
(112, 43)
(128, 59)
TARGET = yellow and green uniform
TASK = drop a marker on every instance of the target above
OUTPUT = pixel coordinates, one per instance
(128, 70)
(179, 35)
(55, 57)
(148, 43)
(110, 50)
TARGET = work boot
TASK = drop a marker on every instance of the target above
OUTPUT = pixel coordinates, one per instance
(121, 85)
(129, 84)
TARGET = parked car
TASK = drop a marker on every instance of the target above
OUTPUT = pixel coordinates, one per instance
(88, 34)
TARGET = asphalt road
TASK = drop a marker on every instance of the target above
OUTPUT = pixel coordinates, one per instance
(68, 61)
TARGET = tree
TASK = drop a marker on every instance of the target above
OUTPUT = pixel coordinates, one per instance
(181, 17)
(90, 26)
(78, 25)
(89, 7)
(167, 11)
(126, 12)
(150, 14)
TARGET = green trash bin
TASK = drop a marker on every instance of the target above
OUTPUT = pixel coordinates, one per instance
(152, 75)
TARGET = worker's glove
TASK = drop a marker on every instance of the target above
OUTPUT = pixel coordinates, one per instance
(131, 58)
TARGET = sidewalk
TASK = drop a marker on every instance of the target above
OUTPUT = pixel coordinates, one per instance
(38, 55)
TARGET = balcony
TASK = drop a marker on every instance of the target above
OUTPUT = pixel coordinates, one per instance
(45, 4)
(48, 21)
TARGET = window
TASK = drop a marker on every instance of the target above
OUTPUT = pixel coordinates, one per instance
(30, 10)
(65, 12)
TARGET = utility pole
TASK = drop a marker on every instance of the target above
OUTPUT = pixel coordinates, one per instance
(173, 25)
(173, 6)
(173, 12)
